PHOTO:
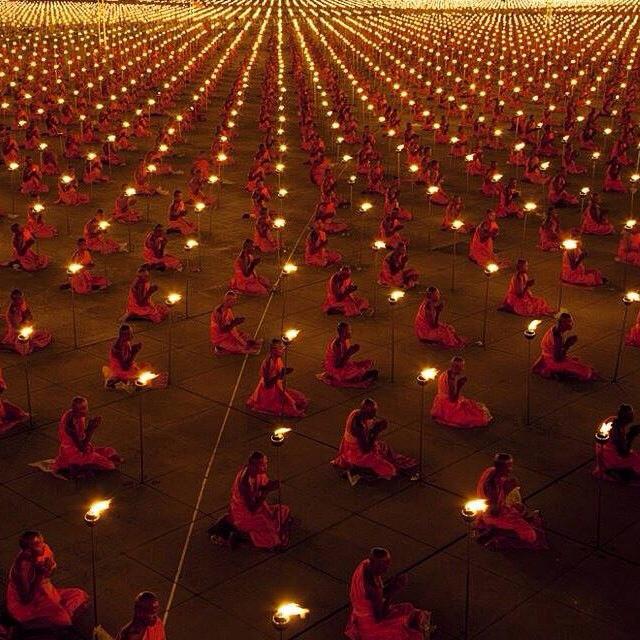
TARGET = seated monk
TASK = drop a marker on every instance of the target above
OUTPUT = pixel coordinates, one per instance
(154, 253)
(574, 271)
(363, 452)
(316, 253)
(615, 457)
(549, 231)
(122, 371)
(341, 297)
(83, 281)
(139, 304)
(394, 272)
(266, 525)
(262, 232)
(146, 623)
(450, 407)
(629, 246)
(95, 233)
(557, 192)
(224, 333)
(77, 452)
(632, 338)
(507, 523)
(124, 209)
(36, 224)
(389, 229)
(339, 370)
(245, 279)
(519, 299)
(554, 361)
(32, 600)
(17, 317)
(481, 246)
(68, 192)
(612, 177)
(373, 614)
(594, 218)
(32, 182)
(428, 327)
(22, 255)
(11, 415)
(272, 395)
(93, 170)
(178, 222)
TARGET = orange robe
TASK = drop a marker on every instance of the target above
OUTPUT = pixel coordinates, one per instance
(352, 373)
(140, 307)
(84, 281)
(15, 319)
(428, 328)
(574, 272)
(338, 301)
(250, 282)
(265, 526)
(362, 623)
(229, 340)
(461, 413)
(521, 301)
(633, 335)
(548, 366)
(272, 396)
(49, 606)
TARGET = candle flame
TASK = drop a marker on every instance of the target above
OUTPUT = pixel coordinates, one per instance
(629, 224)
(26, 332)
(104, 225)
(212, 179)
(279, 223)
(346, 157)
(570, 244)
(282, 193)
(191, 243)
(74, 267)
(605, 429)
(457, 224)
(584, 191)
(530, 206)
(533, 325)
(492, 267)
(632, 296)
(199, 206)
(146, 377)
(288, 610)
(96, 508)
(291, 334)
(429, 373)
(281, 431)
(173, 298)
(545, 165)
(379, 245)
(474, 507)
(366, 206)
(289, 267)
(496, 177)
(396, 295)
(130, 191)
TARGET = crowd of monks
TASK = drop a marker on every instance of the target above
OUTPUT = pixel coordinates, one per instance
(569, 129)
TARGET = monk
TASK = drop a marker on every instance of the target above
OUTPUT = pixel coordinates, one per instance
(316, 253)
(17, 317)
(549, 231)
(84, 281)
(373, 615)
(124, 208)
(450, 407)
(575, 272)
(341, 297)
(339, 368)
(245, 279)
(616, 458)
(519, 299)
(36, 224)
(95, 233)
(146, 623)
(139, 304)
(428, 327)
(271, 394)
(557, 192)
(394, 271)
(154, 251)
(554, 361)
(629, 246)
(32, 600)
(22, 255)
(481, 246)
(266, 525)
(178, 222)
(77, 452)
(632, 338)
(363, 452)
(11, 415)
(225, 336)
(122, 370)
(507, 523)
(594, 218)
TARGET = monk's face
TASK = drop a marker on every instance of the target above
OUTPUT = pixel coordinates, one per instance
(147, 612)
(277, 350)
(81, 408)
(126, 333)
(380, 566)
(36, 546)
(566, 323)
(458, 366)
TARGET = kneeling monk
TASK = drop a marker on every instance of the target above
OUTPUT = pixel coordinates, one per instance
(224, 333)
(31, 597)
(266, 525)
(427, 323)
(341, 295)
(272, 395)
(245, 279)
(10, 414)
(18, 319)
(139, 305)
(77, 452)
(519, 299)
(507, 523)
(146, 623)
(363, 452)
(339, 369)
(450, 407)
(554, 361)
(615, 458)
(373, 616)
